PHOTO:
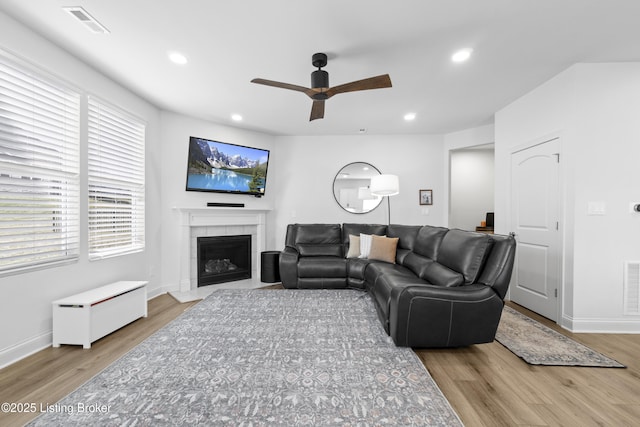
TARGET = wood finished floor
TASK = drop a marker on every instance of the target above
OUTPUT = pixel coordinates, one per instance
(486, 384)
(489, 386)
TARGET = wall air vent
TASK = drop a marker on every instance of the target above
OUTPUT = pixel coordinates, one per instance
(632, 287)
(87, 20)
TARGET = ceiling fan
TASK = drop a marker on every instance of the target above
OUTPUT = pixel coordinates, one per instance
(320, 90)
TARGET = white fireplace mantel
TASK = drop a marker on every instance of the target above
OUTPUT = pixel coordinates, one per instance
(225, 221)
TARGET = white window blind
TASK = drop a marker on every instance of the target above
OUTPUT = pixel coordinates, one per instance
(39, 169)
(116, 181)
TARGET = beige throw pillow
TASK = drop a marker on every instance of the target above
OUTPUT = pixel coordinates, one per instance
(383, 248)
(354, 246)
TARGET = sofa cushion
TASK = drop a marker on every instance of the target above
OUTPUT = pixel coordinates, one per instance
(417, 263)
(318, 233)
(313, 250)
(319, 239)
(407, 235)
(383, 248)
(428, 241)
(322, 267)
(438, 274)
(377, 269)
(464, 252)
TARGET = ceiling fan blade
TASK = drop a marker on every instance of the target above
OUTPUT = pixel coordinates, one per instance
(317, 110)
(281, 85)
(377, 82)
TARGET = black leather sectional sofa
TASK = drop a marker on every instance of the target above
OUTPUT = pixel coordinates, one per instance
(438, 288)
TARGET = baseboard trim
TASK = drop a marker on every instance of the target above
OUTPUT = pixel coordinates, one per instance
(11, 355)
(17, 352)
(601, 326)
(156, 292)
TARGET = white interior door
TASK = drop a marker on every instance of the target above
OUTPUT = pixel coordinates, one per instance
(534, 211)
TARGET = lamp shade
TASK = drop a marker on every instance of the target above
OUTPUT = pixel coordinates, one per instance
(385, 185)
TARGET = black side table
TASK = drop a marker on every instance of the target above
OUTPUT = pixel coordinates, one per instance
(269, 266)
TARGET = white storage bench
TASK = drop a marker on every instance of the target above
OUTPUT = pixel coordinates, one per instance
(88, 316)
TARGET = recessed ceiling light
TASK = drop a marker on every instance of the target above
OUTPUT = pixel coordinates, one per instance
(461, 55)
(409, 116)
(177, 58)
(236, 117)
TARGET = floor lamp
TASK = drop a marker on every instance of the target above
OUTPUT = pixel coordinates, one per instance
(385, 185)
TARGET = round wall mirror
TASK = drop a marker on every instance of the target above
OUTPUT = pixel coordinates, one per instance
(351, 188)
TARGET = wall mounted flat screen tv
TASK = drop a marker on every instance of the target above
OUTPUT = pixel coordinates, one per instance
(226, 168)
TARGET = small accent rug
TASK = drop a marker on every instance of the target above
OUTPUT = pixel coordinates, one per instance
(256, 358)
(537, 344)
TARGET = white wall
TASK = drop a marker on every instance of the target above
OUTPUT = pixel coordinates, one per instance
(594, 110)
(471, 187)
(607, 150)
(307, 166)
(174, 148)
(25, 299)
(467, 138)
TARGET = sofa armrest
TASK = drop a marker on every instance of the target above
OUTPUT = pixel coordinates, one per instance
(499, 265)
(434, 316)
(289, 267)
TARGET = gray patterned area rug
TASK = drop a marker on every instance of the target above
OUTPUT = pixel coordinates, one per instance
(537, 344)
(257, 358)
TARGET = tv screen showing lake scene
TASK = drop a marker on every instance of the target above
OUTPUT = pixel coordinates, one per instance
(228, 168)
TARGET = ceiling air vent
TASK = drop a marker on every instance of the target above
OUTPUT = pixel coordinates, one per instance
(89, 21)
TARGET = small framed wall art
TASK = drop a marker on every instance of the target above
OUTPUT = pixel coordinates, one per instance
(426, 197)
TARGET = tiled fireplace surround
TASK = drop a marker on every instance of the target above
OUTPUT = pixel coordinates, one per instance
(199, 222)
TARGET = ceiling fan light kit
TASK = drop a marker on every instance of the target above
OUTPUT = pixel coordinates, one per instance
(320, 79)
(320, 89)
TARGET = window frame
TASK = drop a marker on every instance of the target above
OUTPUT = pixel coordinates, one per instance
(40, 185)
(116, 184)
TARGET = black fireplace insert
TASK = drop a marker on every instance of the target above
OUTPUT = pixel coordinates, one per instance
(223, 259)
